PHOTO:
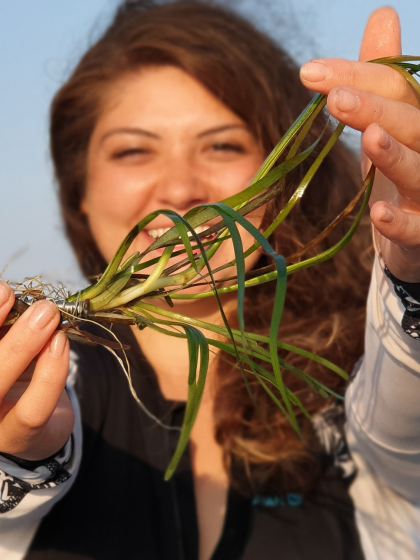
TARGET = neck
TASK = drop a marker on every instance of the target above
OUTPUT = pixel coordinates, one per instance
(169, 355)
(169, 358)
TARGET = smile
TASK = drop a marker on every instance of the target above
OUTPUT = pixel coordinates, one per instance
(156, 233)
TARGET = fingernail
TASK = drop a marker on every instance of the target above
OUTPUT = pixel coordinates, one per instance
(387, 215)
(384, 140)
(42, 314)
(346, 101)
(4, 292)
(57, 344)
(314, 71)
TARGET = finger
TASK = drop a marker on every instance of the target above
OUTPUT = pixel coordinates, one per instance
(400, 227)
(359, 109)
(38, 402)
(25, 340)
(43, 418)
(35, 444)
(400, 248)
(323, 74)
(398, 163)
(382, 36)
(7, 299)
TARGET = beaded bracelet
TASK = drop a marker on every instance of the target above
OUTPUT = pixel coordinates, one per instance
(409, 294)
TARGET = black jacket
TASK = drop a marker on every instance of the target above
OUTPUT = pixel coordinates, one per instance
(120, 507)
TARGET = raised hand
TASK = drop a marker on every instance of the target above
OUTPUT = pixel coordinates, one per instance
(36, 416)
(378, 101)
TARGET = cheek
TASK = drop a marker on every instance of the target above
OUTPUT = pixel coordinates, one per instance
(106, 193)
(105, 209)
(228, 253)
(116, 197)
(235, 177)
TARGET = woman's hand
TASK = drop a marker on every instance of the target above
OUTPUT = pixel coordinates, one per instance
(378, 101)
(36, 416)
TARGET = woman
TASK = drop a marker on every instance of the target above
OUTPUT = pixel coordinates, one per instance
(175, 106)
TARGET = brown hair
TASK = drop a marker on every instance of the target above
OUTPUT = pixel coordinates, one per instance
(325, 305)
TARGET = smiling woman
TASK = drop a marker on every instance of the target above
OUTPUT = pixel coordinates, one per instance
(167, 142)
(178, 105)
(179, 86)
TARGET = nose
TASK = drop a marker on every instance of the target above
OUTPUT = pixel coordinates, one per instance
(182, 186)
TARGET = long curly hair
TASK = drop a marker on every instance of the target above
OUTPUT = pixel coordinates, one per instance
(325, 305)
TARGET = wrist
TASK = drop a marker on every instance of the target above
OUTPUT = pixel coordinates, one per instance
(29, 464)
(402, 263)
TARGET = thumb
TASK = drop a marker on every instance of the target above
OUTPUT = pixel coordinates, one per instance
(400, 227)
(382, 36)
(398, 240)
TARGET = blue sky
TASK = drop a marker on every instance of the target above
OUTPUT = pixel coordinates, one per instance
(41, 41)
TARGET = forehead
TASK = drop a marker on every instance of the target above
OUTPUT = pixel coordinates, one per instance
(162, 96)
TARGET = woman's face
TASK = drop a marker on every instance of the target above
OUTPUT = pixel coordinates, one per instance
(164, 141)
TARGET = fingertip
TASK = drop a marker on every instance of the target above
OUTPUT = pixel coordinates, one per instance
(42, 314)
(377, 143)
(58, 344)
(382, 35)
(372, 132)
(382, 213)
(6, 294)
(387, 215)
(313, 72)
(343, 100)
(403, 229)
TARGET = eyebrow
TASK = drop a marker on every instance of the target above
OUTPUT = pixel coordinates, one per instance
(136, 131)
(141, 132)
(221, 129)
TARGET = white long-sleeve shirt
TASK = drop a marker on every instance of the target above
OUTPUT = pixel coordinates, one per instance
(383, 433)
(383, 430)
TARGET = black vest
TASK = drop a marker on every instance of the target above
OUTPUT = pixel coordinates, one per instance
(120, 507)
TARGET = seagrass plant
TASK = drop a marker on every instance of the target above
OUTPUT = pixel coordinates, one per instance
(123, 294)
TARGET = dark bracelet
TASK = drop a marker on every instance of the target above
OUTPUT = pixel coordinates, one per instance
(31, 465)
(409, 294)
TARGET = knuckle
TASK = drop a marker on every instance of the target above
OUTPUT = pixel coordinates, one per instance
(412, 235)
(49, 380)
(414, 126)
(407, 231)
(17, 345)
(352, 74)
(398, 156)
(23, 342)
(378, 110)
(30, 420)
(398, 86)
(415, 172)
(405, 173)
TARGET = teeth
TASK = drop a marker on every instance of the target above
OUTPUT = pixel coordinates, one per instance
(198, 229)
(156, 233)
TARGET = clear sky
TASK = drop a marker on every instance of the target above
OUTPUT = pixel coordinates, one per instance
(41, 41)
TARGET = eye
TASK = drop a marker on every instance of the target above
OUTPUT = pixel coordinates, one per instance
(227, 147)
(129, 152)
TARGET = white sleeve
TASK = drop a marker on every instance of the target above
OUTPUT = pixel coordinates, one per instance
(383, 430)
(27, 495)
